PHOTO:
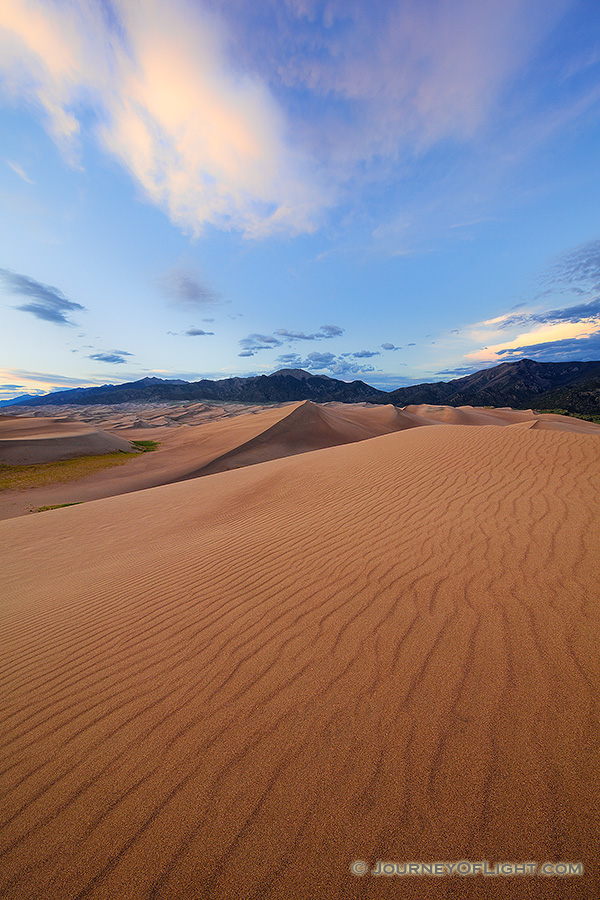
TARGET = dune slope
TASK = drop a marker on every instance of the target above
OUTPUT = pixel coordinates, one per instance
(237, 685)
(27, 441)
(187, 452)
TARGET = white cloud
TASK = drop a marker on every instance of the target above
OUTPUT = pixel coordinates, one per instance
(206, 143)
(252, 116)
(403, 71)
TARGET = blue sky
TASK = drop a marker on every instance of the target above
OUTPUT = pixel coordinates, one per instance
(398, 192)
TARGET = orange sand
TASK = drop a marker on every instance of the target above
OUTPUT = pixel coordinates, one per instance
(196, 439)
(233, 686)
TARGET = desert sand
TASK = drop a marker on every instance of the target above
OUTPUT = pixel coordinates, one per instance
(233, 686)
(200, 439)
(25, 441)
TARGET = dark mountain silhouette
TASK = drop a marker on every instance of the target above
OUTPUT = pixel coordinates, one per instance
(287, 384)
(21, 400)
(573, 386)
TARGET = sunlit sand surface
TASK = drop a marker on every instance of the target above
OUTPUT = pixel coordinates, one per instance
(197, 438)
(233, 686)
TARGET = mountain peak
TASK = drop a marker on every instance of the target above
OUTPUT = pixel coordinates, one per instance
(300, 374)
(151, 379)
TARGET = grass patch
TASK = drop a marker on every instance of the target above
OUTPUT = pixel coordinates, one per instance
(146, 446)
(56, 506)
(17, 478)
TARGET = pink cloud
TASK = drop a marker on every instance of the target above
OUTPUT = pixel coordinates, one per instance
(192, 96)
(205, 142)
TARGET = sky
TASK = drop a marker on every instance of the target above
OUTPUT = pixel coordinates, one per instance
(397, 192)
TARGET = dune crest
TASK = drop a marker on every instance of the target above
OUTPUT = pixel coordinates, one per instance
(27, 441)
(191, 445)
(237, 685)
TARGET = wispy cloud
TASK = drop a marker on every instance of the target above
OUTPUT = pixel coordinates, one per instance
(394, 73)
(187, 288)
(31, 382)
(255, 342)
(19, 170)
(460, 371)
(388, 346)
(205, 104)
(111, 356)
(45, 302)
(197, 332)
(577, 270)
(204, 140)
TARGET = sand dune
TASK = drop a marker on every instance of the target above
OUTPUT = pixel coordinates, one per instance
(234, 686)
(25, 441)
(474, 415)
(230, 442)
(470, 415)
(197, 439)
(307, 426)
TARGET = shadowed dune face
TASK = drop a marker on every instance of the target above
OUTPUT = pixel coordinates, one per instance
(197, 439)
(25, 441)
(236, 685)
(215, 446)
(310, 426)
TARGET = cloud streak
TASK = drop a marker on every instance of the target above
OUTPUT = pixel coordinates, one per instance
(205, 104)
(186, 288)
(582, 312)
(19, 170)
(44, 301)
(585, 348)
(363, 354)
(198, 332)
(113, 356)
(255, 342)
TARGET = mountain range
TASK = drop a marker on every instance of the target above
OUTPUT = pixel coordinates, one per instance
(525, 383)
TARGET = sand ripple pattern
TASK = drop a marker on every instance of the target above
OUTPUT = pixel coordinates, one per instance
(235, 685)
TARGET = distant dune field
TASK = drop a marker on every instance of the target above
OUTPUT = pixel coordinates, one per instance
(234, 686)
(26, 441)
(199, 439)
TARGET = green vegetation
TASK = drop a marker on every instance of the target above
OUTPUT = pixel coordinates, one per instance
(146, 446)
(16, 478)
(56, 506)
